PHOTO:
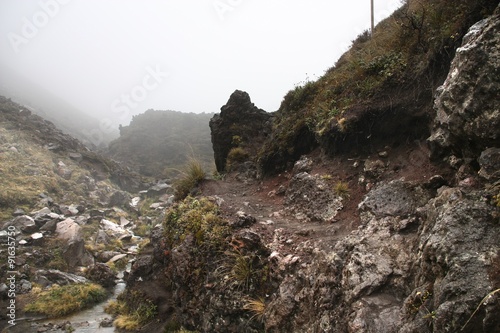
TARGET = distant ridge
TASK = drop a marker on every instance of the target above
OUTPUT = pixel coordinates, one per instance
(159, 142)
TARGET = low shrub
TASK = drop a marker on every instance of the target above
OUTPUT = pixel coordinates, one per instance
(197, 217)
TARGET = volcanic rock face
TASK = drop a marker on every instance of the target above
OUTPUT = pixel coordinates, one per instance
(467, 104)
(239, 124)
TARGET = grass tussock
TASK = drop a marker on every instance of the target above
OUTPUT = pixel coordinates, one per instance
(192, 175)
(62, 300)
(131, 317)
(257, 307)
(237, 155)
(342, 189)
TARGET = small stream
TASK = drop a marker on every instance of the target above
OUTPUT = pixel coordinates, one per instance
(85, 321)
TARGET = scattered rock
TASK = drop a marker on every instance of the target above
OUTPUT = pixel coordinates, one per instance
(374, 168)
(63, 171)
(106, 322)
(76, 157)
(119, 199)
(113, 229)
(159, 189)
(19, 212)
(26, 224)
(74, 252)
(305, 164)
(244, 220)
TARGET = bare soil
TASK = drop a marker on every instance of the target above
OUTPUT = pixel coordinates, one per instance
(258, 198)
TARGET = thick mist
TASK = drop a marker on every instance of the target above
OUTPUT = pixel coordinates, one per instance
(116, 58)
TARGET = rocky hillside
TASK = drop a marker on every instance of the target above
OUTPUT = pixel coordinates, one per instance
(67, 217)
(370, 202)
(380, 92)
(382, 213)
(158, 142)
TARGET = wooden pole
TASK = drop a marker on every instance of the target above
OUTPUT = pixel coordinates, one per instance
(373, 20)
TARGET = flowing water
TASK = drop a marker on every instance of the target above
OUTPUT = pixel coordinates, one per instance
(86, 321)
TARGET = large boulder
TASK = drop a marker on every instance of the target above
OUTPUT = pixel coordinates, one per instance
(239, 124)
(467, 105)
(74, 252)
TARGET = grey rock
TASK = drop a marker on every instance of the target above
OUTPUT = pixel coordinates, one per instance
(119, 199)
(243, 220)
(63, 171)
(113, 229)
(396, 198)
(24, 286)
(106, 322)
(490, 164)
(26, 224)
(76, 157)
(52, 276)
(74, 252)
(305, 164)
(49, 226)
(19, 212)
(312, 197)
(467, 105)
(159, 189)
(101, 238)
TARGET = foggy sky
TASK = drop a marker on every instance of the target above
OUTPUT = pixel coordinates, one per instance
(116, 58)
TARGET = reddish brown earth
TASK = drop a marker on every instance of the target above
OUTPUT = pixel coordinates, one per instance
(258, 199)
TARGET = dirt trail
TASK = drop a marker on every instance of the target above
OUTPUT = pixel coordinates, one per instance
(258, 199)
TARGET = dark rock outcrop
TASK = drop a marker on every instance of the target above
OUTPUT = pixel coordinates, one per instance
(239, 124)
(102, 274)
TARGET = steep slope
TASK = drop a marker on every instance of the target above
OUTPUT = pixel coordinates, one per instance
(156, 142)
(380, 91)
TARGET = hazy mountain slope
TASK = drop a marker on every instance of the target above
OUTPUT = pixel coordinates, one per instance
(31, 149)
(156, 142)
(65, 116)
